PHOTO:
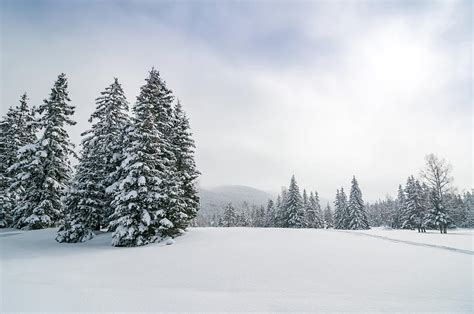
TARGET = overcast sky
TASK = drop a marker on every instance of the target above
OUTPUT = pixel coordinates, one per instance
(324, 90)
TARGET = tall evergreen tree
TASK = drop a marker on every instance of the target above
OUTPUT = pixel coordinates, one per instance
(45, 165)
(400, 207)
(328, 218)
(138, 215)
(17, 128)
(88, 205)
(314, 217)
(8, 150)
(171, 217)
(270, 214)
(338, 212)
(230, 216)
(357, 213)
(409, 205)
(294, 206)
(187, 173)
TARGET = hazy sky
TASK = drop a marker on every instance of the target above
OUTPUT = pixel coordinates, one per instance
(323, 90)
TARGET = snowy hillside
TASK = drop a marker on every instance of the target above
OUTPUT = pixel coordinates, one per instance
(214, 199)
(241, 269)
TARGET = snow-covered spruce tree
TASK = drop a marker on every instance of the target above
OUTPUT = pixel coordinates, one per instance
(408, 213)
(294, 206)
(137, 192)
(171, 217)
(8, 150)
(328, 218)
(400, 207)
(338, 212)
(17, 128)
(44, 167)
(415, 201)
(346, 215)
(341, 213)
(280, 209)
(468, 199)
(319, 211)
(357, 213)
(88, 206)
(183, 148)
(229, 218)
(314, 217)
(270, 214)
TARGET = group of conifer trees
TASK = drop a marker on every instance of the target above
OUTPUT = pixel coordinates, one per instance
(293, 209)
(136, 174)
(428, 202)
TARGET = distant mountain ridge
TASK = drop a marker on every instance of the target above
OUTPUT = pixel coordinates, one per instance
(214, 199)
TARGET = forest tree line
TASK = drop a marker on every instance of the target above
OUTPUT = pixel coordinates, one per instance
(430, 202)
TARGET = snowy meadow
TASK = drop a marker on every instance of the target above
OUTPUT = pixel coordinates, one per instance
(243, 270)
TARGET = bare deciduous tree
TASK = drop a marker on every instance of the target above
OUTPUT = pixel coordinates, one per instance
(437, 176)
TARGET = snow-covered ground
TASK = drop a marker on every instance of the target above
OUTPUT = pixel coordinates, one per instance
(241, 269)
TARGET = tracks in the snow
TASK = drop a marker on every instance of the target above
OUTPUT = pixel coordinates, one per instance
(411, 242)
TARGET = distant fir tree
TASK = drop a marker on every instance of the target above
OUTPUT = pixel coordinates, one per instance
(187, 173)
(409, 208)
(357, 213)
(270, 216)
(341, 212)
(415, 201)
(229, 218)
(457, 210)
(346, 216)
(17, 128)
(294, 206)
(137, 194)
(314, 215)
(328, 218)
(468, 199)
(281, 212)
(88, 205)
(44, 167)
(400, 208)
(338, 212)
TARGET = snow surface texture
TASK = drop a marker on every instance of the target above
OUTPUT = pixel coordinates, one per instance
(241, 269)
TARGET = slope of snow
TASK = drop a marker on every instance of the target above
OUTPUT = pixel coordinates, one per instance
(237, 269)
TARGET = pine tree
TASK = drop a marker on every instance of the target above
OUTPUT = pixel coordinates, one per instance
(468, 200)
(44, 167)
(338, 212)
(137, 194)
(171, 217)
(294, 206)
(230, 217)
(357, 213)
(346, 215)
(17, 128)
(183, 147)
(328, 218)
(409, 208)
(400, 207)
(270, 214)
(8, 150)
(88, 205)
(314, 217)
(415, 201)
